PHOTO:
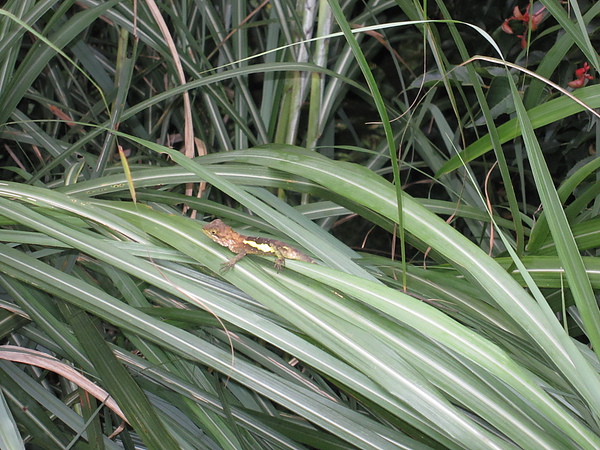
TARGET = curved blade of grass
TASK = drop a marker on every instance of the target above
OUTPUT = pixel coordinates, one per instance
(363, 186)
(443, 329)
(540, 231)
(313, 406)
(97, 302)
(539, 116)
(275, 290)
(566, 247)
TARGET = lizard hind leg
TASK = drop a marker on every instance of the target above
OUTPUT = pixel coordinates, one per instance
(279, 263)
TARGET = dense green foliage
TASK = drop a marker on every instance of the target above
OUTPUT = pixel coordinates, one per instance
(447, 309)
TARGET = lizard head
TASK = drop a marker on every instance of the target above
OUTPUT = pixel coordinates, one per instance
(219, 232)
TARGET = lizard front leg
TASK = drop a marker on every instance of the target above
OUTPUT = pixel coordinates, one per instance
(229, 264)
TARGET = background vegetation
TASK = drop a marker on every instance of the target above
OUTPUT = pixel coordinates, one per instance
(449, 199)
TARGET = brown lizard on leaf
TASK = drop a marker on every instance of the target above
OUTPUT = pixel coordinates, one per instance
(224, 235)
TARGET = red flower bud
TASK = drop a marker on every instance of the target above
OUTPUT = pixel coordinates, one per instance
(581, 76)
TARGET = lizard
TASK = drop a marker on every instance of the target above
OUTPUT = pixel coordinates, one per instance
(224, 235)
